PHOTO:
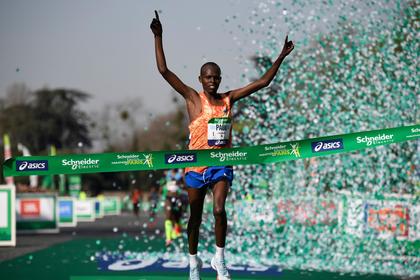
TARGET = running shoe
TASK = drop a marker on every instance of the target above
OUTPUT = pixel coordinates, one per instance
(195, 271)
(220, 267)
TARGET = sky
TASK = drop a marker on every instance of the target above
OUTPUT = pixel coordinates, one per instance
(106, 48)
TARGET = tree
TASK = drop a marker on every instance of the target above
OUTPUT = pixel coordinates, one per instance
(46, 117)
(63, 123)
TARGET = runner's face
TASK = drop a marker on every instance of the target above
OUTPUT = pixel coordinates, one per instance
(210, 79)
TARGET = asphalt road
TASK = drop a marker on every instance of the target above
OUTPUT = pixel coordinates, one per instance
(107, 227)
(113, 227)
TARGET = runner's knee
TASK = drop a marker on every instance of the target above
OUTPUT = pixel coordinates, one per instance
(219, 211)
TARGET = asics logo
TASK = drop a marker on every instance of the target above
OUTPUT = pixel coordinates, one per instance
(23, 166)
(180, 158)
(327, 145)
(27, 165)
(171, 159)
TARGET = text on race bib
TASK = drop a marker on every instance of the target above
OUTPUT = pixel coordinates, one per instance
(218, 131)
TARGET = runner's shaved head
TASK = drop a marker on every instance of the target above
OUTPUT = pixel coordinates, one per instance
(210, 65)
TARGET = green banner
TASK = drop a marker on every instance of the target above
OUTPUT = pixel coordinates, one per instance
(7, 215)
(271, 153)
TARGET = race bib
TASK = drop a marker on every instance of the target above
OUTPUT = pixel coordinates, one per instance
(218, 131)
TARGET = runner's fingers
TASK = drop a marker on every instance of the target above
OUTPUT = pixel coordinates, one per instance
(155, 23)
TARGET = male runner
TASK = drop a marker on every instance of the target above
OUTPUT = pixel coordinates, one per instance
(210, 128)
(173, 206)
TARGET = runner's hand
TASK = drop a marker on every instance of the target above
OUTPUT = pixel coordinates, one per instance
(287, 48)
(156, 26)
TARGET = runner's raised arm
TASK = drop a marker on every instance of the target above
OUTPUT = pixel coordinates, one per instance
(265, 79)
(187, 92)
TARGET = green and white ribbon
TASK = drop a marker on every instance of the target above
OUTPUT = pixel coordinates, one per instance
(261, 154)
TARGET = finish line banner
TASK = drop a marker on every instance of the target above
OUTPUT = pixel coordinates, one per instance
(261, 154)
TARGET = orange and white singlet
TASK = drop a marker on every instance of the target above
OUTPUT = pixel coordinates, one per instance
(212, 128)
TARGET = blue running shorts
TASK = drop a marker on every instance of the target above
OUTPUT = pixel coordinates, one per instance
(209, 176)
